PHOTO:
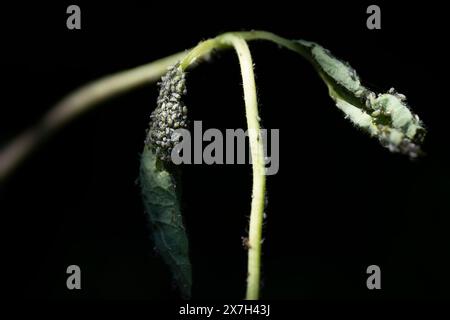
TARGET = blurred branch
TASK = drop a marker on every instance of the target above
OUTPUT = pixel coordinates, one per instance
(74, 105)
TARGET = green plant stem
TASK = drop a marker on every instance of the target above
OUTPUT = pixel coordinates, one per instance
(220, 42)
(238, 41)
(256, 146)
(258, 166)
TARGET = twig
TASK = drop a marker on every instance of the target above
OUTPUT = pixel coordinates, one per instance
(258, 166)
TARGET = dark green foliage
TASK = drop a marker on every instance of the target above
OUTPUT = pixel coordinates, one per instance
(162, 205)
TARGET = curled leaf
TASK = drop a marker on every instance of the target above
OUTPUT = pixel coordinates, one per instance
(385, 116)
(162, 205)
(158, 183)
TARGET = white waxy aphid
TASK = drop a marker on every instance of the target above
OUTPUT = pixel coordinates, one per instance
(401, 96)
(376, 113)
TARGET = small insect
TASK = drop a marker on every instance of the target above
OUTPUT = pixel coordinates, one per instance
(376, 113)
(245, 243)
(402, 97)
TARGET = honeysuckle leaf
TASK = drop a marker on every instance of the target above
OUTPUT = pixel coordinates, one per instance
(162, 205)
(385, 116)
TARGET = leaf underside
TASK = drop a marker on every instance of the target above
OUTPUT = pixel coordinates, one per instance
(162, 206)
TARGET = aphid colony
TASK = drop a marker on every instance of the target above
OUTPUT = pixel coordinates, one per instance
(399, 129)
(385, 116)
(170, 113)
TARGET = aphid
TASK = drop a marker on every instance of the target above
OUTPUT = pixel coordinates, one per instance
(180, 87)
(401, 96)
(245, 243)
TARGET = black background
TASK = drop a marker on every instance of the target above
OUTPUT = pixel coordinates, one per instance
(339, 203)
